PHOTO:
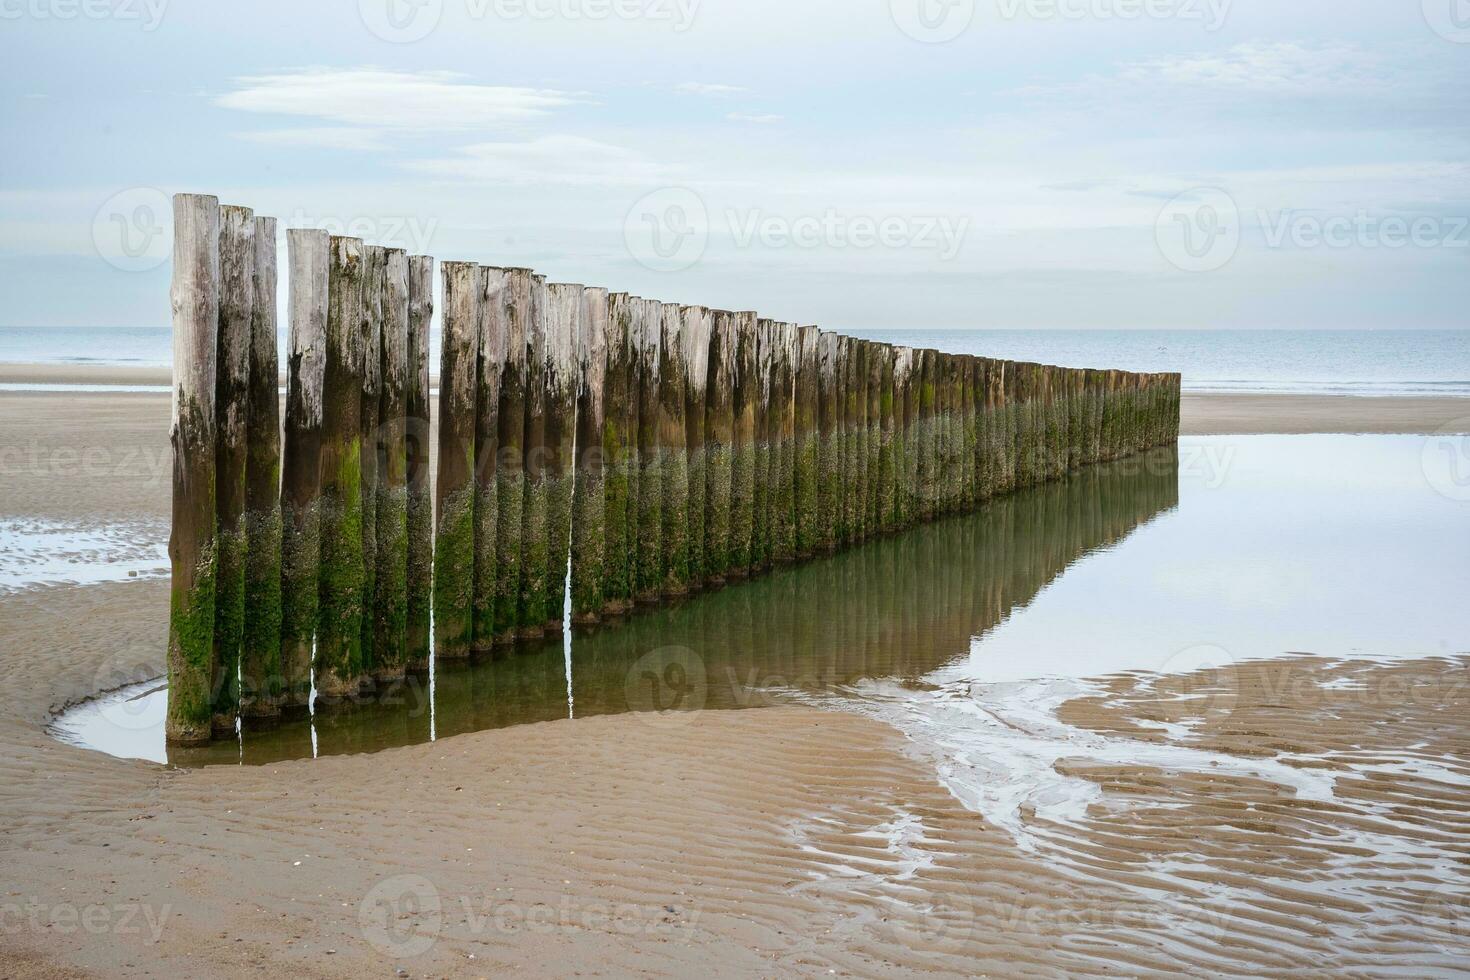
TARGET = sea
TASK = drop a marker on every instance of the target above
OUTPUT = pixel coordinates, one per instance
(1358, 362)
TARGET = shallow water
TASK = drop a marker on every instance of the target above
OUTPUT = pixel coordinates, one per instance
(1231, 550)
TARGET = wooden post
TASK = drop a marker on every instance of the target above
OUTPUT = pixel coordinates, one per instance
(619, 458)
(808, 439)
(339, 626)
(694, 344)
(514, 313)
(783, 434)
(390, 606)
(853, 409)
(372, 443)
(903, 444)
(260, 648)
(831, 412)
(563, 325)
(887, 516)
(760, 453)
(926, 434)
(533, 613)
(719, 434)
(648, 577)
(232, 395)
(873, 413)
(969, 433)
(590, 500)
(195, 301)
(742, 455)
(454, 493)
(490, 365)
(673, 458)
(309, 255)
(420, 557)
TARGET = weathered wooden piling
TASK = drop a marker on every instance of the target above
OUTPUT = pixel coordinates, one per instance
(340, 611)
(514, 315)
(390, 603)
(719, 433)
(905, 458)
(535, 569)
(420, 509)
(742, 446)
(589, 502)
(454, 494)
(873, 412)
(673, 455)
(372, 447)
(782, 482)
(808, 438)
(694, 345)
(830, 413)
(619, 458)
(260, 646)
(648, 553)
(564, 323)
(760, 456)
(232, 398)
(309, 258)
(490, 366)
(193, 555)
(886, 516)
(927, 434)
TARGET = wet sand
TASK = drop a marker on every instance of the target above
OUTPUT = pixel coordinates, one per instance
(784, 840)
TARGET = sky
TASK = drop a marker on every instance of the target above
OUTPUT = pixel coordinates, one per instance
(857, 164)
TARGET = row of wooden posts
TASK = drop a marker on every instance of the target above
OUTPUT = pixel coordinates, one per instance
(593, 448)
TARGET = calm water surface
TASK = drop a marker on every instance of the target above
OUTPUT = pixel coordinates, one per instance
(1231, 549)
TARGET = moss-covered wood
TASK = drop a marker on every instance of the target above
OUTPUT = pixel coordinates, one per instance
(309, 257)
(260, 647)
(589, 503)
(563, 326)
(231, 411)
(490, 367)
(390, 602)
(195, 301)
(374, 257)
(830, 413)
(419, 577)
(782, 427)
(673, 455)
(648, 570)
(619, 458)
(454, 494)
(514, 315)
(807, 410)
(694, 346)
(535, 568)
(742, 445)
(719, 436)
(339, 662)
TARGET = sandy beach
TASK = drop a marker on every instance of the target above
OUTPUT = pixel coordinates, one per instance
(772, 842)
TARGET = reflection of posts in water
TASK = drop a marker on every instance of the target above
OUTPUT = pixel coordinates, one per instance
(654, 448)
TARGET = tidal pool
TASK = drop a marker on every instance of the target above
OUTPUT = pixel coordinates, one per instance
(1227, 550)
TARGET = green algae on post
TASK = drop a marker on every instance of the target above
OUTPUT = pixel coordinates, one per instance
(619, 457)
(808, 440)
(589, 502)
(719, 434)
(454, 539)
(232, 383)
(782, 483)
(510, 482)
(309, 257)
(195, 299)
(648, 573)
(564, 324)
(340, 610)
(694, 345)
(830, 413)
(742, 446)
(534, 562)
(489, 367)
(390, 602)
(260, 645)
(673, 455)
(372, 449)
(419, 576)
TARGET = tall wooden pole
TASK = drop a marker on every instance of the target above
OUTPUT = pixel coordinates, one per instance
(673, 456)
(873, 391)
(761, 446)
(590, 500)
(619, 458)
(232, 397)
(694, 344)
(808, 439)
(564, 324)
(648, 568)
(420, 516)
(534, 560)
(340, 612)
(372, 444)
(192, 548)
(510, 480)
(830, 399)
(490, 368)
(888, 444)
(782, 481)
(719, 435)
(742, 456)
(309, 256)
(390, 606)
(454, 494)
(260, 649)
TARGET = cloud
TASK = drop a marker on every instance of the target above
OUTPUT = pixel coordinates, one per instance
(1283, 68)
(754, 117)
(704, 88)
(429, 101)
(560, 159)
(325, 137)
